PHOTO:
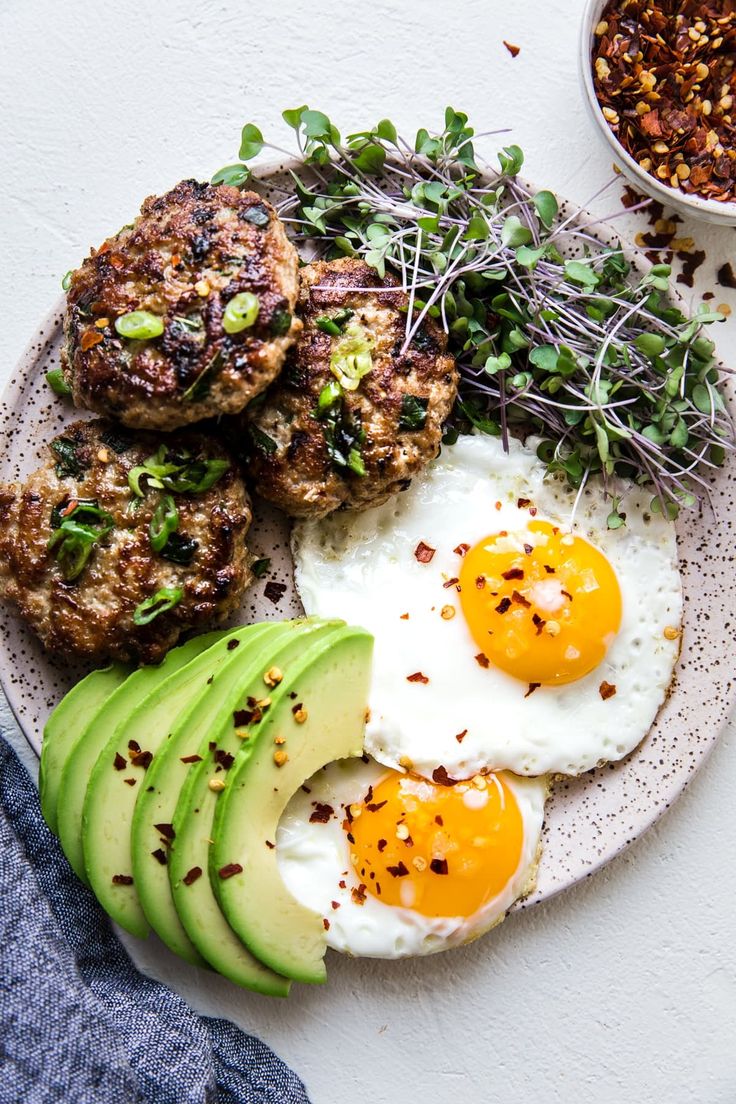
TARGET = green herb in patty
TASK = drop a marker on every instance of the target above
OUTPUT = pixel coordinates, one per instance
(78, 524)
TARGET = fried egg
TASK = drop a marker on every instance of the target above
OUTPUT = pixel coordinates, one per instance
(513, 629)
(399, 865)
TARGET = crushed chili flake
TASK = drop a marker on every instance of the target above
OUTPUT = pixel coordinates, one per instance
(229, 870)
(133, 745)
(503, 605)
(438, 866)
(606, 690)
(726, 276)
(664, 77)
(122, 879)
(142, 759)
(567, 594)
(461, 735)
(513, 50)
(325, 923)
(119, 762)
(532, 687)
(417, 677)
(522, 503)
(398, 871)
(441, 777)
(322, 813)
(231, 644)
(129, 781)
(160, 856)
(374, 806)
(224, 758)
(528, 549)
(423, 553)
(89, 339)
(520, 599)
(358, 895)
(404, 617)
(480, 581)
(274, 591)
(381, 845)
(335, 904)
(461, 549)
(191, 758)
(166, 830)
(550, 570)
(438, 820)
(512, 573)
(482, 660)
(270, 845)
(450, 583)
(539, 622)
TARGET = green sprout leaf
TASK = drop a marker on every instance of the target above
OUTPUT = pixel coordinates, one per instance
(234, 175)
(251, 142)
(545, 204)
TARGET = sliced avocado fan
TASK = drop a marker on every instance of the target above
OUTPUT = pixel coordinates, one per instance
(121, 773)
(63, 728)
(154, 812)
(194, 898)
(77, 768)
(317, 715)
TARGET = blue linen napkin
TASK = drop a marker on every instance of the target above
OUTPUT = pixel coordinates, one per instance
(78, 1023)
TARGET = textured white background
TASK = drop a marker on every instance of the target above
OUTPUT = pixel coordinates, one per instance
(625, 988)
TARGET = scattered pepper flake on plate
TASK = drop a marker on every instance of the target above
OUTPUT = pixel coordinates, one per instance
(423, 553)
(513, 50)
(417, 677)
(606, 690)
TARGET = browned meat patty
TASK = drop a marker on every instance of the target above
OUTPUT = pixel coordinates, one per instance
(88, 562)
(352, 418)
(189, 256)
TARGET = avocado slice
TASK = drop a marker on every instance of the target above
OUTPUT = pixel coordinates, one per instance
(79, 764)
(64, 726)
(115, 782)
(195, 901)
(167, 774)
(331, 686)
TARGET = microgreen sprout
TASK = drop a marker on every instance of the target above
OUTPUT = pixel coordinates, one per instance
(553, 332)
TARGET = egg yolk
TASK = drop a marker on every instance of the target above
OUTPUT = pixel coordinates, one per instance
(439, 850)
(542, 604)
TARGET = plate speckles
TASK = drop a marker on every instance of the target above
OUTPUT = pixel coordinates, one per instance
(589, 819)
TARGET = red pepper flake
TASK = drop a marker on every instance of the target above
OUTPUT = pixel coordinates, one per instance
(480, 581)
(520, 599)
(232, 644)
(122, 879)
(438, 866)
(89, 339)
(325, 923)
(513, 50)
(335, 904)
(483, 660)
(606, 690)
(166, 830)
(417, 677)
(539, 622)
(322, 813)
(512, 573)
(503, 605)
(270, 845)
(358, 895)
(116, 260)
(224, 758)
(191, 758)
(229, 870)
(342, 883)
(461, 549)
(441, 777)
(461, 735)
(438, 820)
(663, 75)
(212, 745)
(726, 276)
(549, 570)
(528, 549)
(142, 759)
(274, 591)
(129, 781)
(374, 806)
(381, 845)
(532, 687)
(160, 856)
(522, 503)
(423, 553)
(450, 583)
(404, 617)
(133, 745)
(567, 594)
(398, 871)
(118, 762)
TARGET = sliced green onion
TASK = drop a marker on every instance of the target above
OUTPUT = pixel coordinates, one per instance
(164, 522)
(328, 396)
(241, 312)
(355, 462)
(334, 324)
(75, 534)
(178, 472)
(67, 279)
(139, 325)
(57, 383)
(161, 602)
(280, 322)
(351, 358)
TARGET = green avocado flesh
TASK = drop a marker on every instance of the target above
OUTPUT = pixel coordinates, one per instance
(331, 685)
(116, 781)
(77, 769)
(167, 774)
(195, 901)
(64, 726)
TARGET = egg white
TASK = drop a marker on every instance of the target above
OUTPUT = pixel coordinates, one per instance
(362, 567)
(314, 858)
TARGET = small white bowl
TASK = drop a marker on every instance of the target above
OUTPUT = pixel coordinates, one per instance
(709, 210)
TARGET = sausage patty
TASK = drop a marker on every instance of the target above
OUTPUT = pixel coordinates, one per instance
(96, 568)
(353, 416)
(183, 262)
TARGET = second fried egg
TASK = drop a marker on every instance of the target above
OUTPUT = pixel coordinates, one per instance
(508, 634)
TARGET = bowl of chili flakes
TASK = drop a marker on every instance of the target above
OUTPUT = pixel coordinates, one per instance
(659, 79)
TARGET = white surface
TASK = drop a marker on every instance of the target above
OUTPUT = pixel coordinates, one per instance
(625, 987)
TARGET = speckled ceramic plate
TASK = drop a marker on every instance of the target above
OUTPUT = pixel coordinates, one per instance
(589, 819)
